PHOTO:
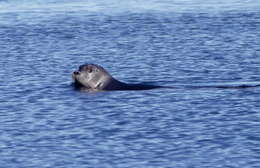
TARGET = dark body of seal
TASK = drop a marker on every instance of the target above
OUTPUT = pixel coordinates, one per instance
(94, 77)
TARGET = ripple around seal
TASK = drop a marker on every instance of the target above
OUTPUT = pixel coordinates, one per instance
(46, 123)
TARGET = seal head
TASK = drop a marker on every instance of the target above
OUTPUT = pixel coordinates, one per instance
(92, 76)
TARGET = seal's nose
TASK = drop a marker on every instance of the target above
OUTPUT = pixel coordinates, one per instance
(76, 73)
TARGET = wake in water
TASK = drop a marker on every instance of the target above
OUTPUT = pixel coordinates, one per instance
(226, 85)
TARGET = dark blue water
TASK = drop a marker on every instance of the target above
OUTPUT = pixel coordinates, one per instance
(44, 122)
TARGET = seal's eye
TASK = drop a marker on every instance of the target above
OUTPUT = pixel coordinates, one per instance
(90, 70)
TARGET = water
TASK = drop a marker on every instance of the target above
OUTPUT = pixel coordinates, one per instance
(46, 123)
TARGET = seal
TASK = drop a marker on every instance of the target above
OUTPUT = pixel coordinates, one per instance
(95, 77)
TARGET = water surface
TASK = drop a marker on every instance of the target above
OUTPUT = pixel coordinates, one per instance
(46, 123)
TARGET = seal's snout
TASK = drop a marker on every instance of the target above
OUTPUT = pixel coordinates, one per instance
(76, 73)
